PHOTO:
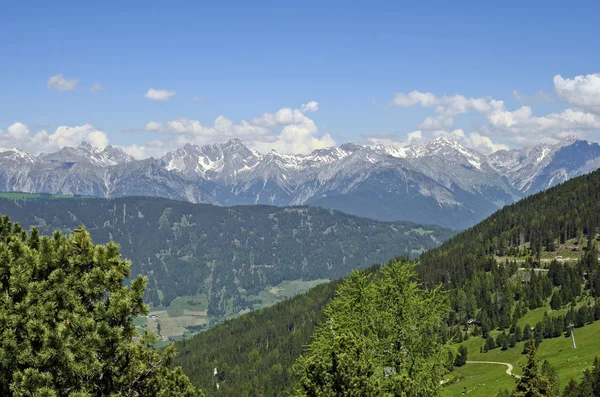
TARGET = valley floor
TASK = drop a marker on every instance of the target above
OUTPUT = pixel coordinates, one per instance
(189, 314)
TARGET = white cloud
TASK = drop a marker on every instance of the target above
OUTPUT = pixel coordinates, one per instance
(18, 135)
(484, 143)
(159, 95)
(18, 130)
(472, 140)
(414, 136)
(436, 123)
(312, 106)
(581, 91)
(447, 105)
(425, 99)
(287, 131)
(392, 138)
(384, 138)
(526, 129)
(519, 126)
(522, 127)
(96, 88)
(59, 83)
(197, 99)
(139, 152)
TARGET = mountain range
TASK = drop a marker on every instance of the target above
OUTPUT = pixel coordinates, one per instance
(437, 182)
(227, 255)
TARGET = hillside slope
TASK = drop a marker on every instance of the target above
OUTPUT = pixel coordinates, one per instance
(226, 256)
(482, 268)
(254, 353)
(539, 222)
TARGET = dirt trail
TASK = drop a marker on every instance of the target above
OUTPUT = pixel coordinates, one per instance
(508, 370)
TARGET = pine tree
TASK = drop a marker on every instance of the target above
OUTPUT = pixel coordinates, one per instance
(67, 321)
(572, 389)
(504, 342)
(518, 334)
(379, 338)
(555, 301)
(490, 344)
(550, 373)
(532, 383)
(586, 387)
(461, 357)
(594, 375)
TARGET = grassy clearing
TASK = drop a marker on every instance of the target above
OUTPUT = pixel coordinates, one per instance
(187, 315)
(486, 379)
(420, 231)
(171, 327)
(532, 317)
(480, 380)
(570, 251)
(189, 305)
(284, 290)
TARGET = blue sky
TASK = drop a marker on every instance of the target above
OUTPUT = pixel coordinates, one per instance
(245, 59)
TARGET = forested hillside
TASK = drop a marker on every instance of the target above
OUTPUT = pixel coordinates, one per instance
(226, 256)
(495, 273)
(534, 224)
(254, 353)
(480, 264)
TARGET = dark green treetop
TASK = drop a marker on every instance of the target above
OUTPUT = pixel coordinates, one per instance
(66, 321)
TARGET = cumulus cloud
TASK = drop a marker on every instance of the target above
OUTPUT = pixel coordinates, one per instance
(580, 92)
(19, 136)
(436, 123)
(526, 129)
(519, 126)
(312, 106)
(18, 130)
(59, 83)
(447, 105)
(286, 131)
(96, 88)
(484, 143)
(473, 140)
(159, 95)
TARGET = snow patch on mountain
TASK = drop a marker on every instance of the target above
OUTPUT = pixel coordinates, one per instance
(421, 182)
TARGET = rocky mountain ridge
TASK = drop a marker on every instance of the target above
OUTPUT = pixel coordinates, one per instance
(439, 181)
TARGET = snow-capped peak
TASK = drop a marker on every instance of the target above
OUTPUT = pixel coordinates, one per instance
(19, 155)
(211, 160)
